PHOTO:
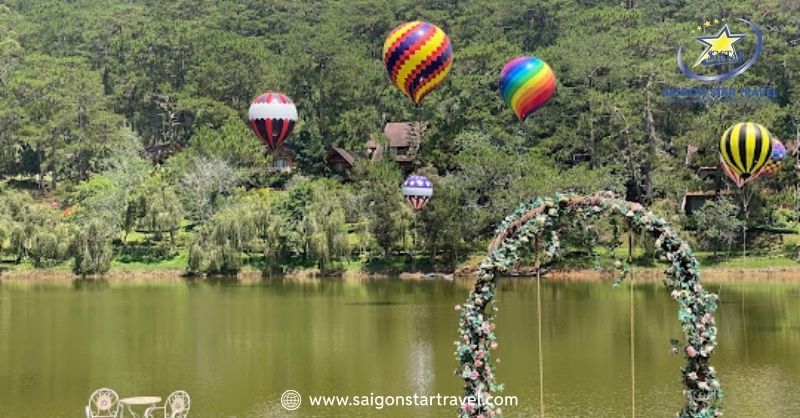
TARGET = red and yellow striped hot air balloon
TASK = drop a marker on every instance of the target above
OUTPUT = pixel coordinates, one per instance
(417, 56)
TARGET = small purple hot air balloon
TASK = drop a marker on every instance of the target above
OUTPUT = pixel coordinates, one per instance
(776, 161)
(418, 191)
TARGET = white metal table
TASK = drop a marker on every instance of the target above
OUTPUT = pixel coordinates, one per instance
(138, 401)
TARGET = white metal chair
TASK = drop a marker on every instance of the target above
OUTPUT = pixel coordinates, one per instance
(104, 403)
(176, 406)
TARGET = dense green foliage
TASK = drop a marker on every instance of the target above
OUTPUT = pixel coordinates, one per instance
(717, 224)
(129, 116)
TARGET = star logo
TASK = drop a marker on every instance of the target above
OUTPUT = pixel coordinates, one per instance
(719, 48)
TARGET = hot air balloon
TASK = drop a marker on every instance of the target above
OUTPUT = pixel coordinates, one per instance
(745, 149)
(731, 175)
(526, 84)
(776, 161)
(272, 117)
(418, 191)
(417, 56)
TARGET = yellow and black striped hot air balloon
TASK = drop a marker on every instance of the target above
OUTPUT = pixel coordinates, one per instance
(746, 148)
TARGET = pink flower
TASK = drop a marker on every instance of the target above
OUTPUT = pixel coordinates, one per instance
(493, 345)
(692, 376)
(458, 307)
(474, 375)
(478, 363)
(691, 351)
(480, 354)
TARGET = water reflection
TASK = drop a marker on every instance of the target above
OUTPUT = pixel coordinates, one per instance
(237, 347)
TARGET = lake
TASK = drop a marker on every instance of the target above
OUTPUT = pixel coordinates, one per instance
(237, 347)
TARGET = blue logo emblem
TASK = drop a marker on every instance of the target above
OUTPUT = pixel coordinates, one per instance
(720, 49)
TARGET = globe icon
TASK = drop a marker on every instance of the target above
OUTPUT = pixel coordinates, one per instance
(290, 400)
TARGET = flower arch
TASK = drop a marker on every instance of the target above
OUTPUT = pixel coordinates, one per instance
(540, 219)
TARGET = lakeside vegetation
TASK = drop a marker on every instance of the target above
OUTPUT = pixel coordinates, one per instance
(124, 143)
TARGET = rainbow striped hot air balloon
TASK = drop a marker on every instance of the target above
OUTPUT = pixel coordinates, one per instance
(526, 84)
(745, 149)
(417, 56)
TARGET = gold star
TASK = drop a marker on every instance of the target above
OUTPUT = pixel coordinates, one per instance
(699, 28)
(721, 43)
(716, 21)
(708, 24)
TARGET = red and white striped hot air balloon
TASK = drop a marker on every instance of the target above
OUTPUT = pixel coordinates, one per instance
(272, 117)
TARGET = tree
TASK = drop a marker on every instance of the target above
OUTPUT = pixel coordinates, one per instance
(444, 223)
(65, 122)
(325, 226)
(205, 184)
(35, 232)
(218, 246)
(91, 248)
(156, 209)
(381, 186)
(718, 225)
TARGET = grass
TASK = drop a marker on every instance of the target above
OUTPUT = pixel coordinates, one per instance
(178, 262)
(754, 262)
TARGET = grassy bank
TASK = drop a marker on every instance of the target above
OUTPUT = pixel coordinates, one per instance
(585, 267)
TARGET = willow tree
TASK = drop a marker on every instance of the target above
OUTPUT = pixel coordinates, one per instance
(324, 227)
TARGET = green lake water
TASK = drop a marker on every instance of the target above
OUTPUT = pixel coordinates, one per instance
(237, 348)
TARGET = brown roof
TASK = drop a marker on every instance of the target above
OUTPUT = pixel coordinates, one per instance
(346, 155)
(399, 133)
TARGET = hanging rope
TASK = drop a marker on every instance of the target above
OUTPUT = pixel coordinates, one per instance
(414, 244)
(744, 327)
(539, 321)
(633, 329)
